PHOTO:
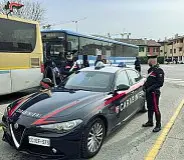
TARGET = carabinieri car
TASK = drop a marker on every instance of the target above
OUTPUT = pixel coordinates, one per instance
(72, 119)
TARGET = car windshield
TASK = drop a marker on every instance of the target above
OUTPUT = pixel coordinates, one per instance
(90, 80)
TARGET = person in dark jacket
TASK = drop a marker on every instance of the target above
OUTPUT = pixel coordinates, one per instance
(98, 59)
(154, 82)
(70, 65)
(85, 61)
(137, 64)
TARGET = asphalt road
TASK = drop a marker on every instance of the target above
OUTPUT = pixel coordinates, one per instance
(131, 141)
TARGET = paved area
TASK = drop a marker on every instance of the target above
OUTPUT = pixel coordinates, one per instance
(131, 142)
(173, 147)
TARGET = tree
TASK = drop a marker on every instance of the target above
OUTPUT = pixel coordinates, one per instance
(31, 10)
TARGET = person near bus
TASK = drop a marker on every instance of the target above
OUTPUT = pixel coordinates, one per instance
(71, 65)
(98, 59)
(85, 61)
(137, 64)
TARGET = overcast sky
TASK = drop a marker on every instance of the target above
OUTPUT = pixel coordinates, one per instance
(142, 18)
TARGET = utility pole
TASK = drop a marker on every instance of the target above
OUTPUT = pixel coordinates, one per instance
(128, 35)
(76, 25)
(108, 35)
(76, 22)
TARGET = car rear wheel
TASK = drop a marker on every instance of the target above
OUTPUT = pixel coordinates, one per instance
(93, 138)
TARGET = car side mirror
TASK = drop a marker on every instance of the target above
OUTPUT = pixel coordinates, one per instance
(46, 83)
(122, 87)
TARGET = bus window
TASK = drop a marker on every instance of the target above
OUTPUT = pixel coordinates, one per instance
(74, 41)
(17, 36)
(119, 51)
(88, 45)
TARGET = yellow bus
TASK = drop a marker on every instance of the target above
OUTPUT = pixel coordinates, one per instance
(21, 54)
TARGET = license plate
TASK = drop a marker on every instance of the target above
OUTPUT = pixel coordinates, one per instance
(39, 141)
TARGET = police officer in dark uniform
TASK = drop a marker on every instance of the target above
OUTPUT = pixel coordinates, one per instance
(85, 61)
(70, 65)
(154, 82)
(137, 64)
(98, 59)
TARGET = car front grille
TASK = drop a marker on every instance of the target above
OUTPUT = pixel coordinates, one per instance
(18, 132)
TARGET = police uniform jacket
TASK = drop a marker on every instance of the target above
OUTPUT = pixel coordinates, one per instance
(155, 79)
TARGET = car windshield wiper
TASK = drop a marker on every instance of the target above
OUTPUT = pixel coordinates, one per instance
(82, 89)
(63, 89)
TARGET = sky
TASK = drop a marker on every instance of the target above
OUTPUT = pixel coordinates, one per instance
(151, 19)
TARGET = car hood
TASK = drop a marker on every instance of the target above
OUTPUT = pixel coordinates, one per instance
(54, 104)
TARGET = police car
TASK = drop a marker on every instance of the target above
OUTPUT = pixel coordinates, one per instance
(73, 119)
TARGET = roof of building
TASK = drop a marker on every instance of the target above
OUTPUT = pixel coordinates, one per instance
(153, 43)
(138, 42)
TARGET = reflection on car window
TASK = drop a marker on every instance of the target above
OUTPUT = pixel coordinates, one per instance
(90, 80)
(135, 76)
(122, 78)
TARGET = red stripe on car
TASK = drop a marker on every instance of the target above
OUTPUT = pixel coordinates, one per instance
(119, 95)
(14, 108)
(43, 120)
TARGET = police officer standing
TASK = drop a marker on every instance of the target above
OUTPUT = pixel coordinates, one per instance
(98, 59)
(154, 82)
(70, 65)
(137, 64)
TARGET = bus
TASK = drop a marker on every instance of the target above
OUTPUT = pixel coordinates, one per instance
(21, 54)
(62, 41)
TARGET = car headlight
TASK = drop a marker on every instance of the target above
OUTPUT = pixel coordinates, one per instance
(64, 126)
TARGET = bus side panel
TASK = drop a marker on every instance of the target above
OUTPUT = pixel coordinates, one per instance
(25, 78)
(5, 82)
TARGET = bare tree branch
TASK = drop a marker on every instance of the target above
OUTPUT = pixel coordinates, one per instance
(30, 10)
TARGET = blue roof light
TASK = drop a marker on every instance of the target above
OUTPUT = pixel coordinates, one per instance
(121, 64)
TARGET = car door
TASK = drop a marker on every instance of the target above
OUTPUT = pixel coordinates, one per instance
(123, 103)
(137, 92)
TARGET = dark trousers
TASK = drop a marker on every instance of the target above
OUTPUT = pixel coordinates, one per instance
(153, 106)
(138, 68)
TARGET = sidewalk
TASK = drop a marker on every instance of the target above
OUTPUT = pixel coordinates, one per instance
(173, 147)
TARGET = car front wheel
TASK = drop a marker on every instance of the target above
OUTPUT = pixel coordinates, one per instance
(93, 138)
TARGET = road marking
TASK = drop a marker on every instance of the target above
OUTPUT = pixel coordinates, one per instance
(177, 82)
(174, 79)
(160, 140)
(167, 78)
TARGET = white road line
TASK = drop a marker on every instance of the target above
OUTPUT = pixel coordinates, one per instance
(174, 79)
(167, 78)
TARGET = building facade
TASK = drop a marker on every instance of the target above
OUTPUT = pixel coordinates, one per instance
(173, 48)
(153, 48)
(146, 47)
